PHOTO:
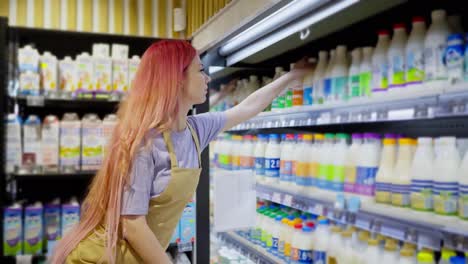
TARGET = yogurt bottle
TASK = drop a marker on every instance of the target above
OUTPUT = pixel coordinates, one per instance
(259, 154)
(367, 165)
(454, 57)
(339, 151)
(434, 47)
(365, 72)
(350, 164)
(272, 159)
(425, 257)
(286, 161)
(325, 160)
(380, 62)
(463, 188)
(401, 186)
(247, 158)
(319, 76)
(446, 176)
(314, 159)
(407, 256)
(390, 253)
(415, 52)
(303, 178)
(422, 175)
(396, 57)
(383, 186)
(354, 88)
(321, 245)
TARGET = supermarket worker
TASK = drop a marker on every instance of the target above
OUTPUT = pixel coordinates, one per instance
(152, 167)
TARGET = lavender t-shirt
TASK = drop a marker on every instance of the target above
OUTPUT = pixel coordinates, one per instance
(151, 169)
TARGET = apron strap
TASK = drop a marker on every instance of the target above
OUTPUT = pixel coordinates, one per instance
(197, 142)
(170, 148)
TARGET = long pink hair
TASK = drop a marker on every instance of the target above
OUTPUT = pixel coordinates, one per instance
(152, 103)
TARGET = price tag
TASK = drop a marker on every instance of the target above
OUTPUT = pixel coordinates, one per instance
(291, 123)
(316, 209)
(184, 247)
(35, 100)
(269, 124)
(287, 200)
(324, 118)
(276, 197)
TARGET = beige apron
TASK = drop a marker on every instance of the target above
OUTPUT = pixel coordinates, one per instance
(163, 214)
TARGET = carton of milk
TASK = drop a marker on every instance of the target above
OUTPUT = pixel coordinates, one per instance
(12, 230)
(48, 68)
(70, 142)
(28, 64)
(68, 77)
(92, 149)
(70, 216)
(33, 229)
(52, 224)
(187, 224)
(13, 143)
(50, 143)
(85, 74)
(32, 151)
(102, 76)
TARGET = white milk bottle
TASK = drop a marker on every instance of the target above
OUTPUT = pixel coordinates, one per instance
(278, 72)
(407, 256)
(288, 238)
(247, 158)
(346, 250)
(361, 247)
(367, 165)
(286, 161)
(446, 176)
(275, 233)
(235, 150)
(321, 245)
(328, 80)
(339, 151)
(365, 72)
(308, 87)
(258, 225)
(296, 244)
(390, 253)
(422, 175)
(13, 143)
(314, 159)
(333, 244)
(434, 47)
(396, 57)
(383, 185)
(415, 52)
(350, 164)
(303, 178)
(401, 186)
(50, 143)
(454, 58)
(272, 159)
(299, 141)
(354, 71)
(259, 154)
(373, 253)
(225, 157)
(339, 74)
(380, 62)
(297, 90)
(284, 230)
(319, 76)
(463, 188)
(425, 257)
(325, 161)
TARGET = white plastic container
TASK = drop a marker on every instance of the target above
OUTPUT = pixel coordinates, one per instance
(346, 248)
(434, 47)
(354, 87)
(333, 244)
(339, 153)
(367, 164)
(308, 86)
(322, 242)
(314, 159)
(401, 186)
(373, 253)
(319, 76)
(259, 154)
(272, 159)
(247, 159)
(70, 142)
(296, 244)
(284, 230)
(32, 150)
(339, 74)
(463, 188)
(236, 152)
(407, 256)
(396, 57)
(365, 72)
(286, 161)
(302, 177)
(91, 148)
(351, 163)
(390, 254)
(380, 62)
(275, 234)
(50, 143)
(13, 143)
(325, 161)
(327, 79)
(48, 69)
(385, 175)
(422, 175)
(446, 176)
(454, 58)
(415, 52)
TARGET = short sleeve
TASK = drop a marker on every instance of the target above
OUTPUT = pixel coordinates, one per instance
(137, 194)
(208, 126)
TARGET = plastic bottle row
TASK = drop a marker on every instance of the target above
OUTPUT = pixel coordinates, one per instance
(53, 145)
(427, 174)
(88, 76)
(35, 228)
(298, 237)
(433, 57)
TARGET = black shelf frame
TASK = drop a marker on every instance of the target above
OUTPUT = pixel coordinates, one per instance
(70, 43)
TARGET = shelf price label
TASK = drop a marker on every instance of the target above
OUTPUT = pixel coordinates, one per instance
(35, 100)
(287, 200)
(276, 197)
(316, 209)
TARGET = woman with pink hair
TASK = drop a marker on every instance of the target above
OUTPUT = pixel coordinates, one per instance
(152, 167)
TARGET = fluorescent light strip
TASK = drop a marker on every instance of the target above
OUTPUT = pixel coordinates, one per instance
(277, 19)
(287, 31)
